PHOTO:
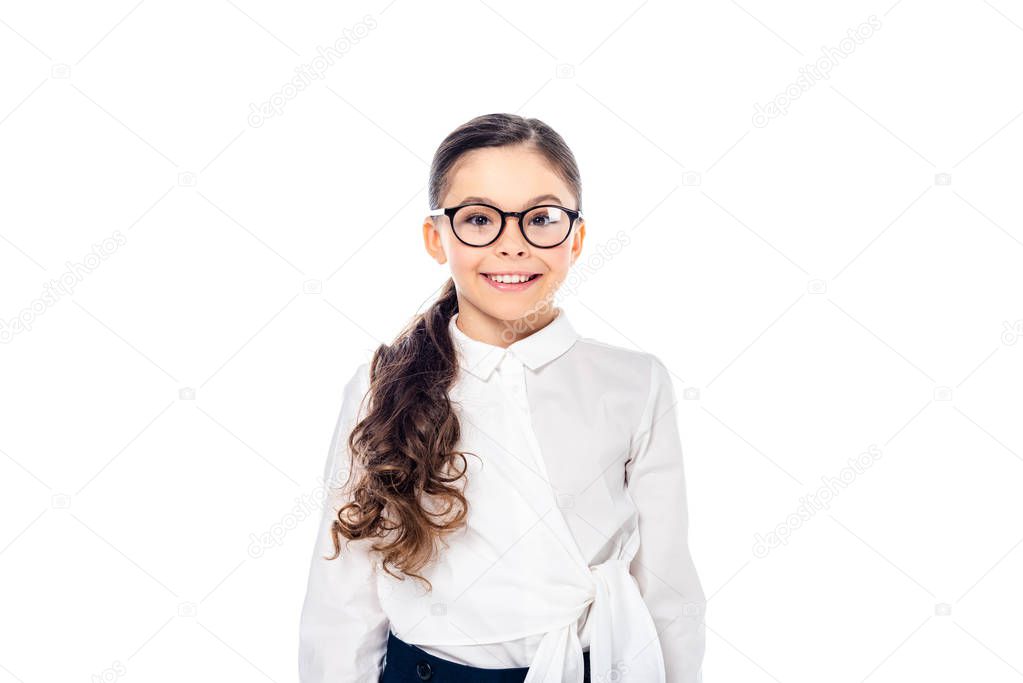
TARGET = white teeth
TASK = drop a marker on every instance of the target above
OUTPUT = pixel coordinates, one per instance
(508, 279)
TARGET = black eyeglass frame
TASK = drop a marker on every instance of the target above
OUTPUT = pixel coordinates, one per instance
(519, 215)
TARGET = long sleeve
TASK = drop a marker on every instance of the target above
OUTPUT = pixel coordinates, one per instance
(343, 630)
(663, 566)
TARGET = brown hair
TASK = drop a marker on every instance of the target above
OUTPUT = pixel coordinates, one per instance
(405, 445)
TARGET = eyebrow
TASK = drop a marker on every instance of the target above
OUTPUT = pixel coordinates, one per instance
(532, 202)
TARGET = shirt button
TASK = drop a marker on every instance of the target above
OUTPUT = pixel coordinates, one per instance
(424, 671)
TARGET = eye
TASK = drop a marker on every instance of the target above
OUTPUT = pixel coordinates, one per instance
(478, 220)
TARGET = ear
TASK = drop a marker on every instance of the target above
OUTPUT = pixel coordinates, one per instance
(577, 239)
(432, 241)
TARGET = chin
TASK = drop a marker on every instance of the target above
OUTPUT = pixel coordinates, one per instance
(507, 311)
(533, 310)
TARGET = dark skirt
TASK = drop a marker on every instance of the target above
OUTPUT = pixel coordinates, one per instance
(405, 663)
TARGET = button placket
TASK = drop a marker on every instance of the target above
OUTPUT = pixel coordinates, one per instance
(513, 383)
(513, 379)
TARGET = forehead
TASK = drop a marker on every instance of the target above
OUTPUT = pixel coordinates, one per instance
(509, 175)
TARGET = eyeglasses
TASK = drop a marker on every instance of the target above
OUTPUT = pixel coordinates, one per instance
(479, 225)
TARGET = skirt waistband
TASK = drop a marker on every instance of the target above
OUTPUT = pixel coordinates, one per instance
(404, 663)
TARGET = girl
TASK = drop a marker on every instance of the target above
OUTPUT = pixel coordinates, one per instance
(512, 503)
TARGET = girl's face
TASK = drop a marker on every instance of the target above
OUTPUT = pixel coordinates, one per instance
(512, 178)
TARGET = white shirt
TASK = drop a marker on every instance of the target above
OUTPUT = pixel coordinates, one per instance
(576, 537)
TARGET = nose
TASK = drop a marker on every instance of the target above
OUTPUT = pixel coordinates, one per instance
(511, 240)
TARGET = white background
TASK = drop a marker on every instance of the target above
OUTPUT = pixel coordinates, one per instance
(844, 278)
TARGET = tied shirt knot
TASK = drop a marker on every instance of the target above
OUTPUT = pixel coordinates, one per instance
(616, 653)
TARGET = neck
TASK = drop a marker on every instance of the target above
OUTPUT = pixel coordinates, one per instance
(484, 327)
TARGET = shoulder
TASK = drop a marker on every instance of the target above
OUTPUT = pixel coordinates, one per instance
(356, 387)
(642, 374)
(359, 378)
(645, 363)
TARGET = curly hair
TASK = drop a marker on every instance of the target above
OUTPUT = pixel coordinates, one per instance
(407, 490)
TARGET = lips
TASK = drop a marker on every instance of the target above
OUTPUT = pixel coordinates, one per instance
(511, 277)
(511, 286)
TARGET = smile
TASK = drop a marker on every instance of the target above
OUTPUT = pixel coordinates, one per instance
(511, 281)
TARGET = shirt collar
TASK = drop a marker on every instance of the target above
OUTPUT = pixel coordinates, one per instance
(539, 348)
